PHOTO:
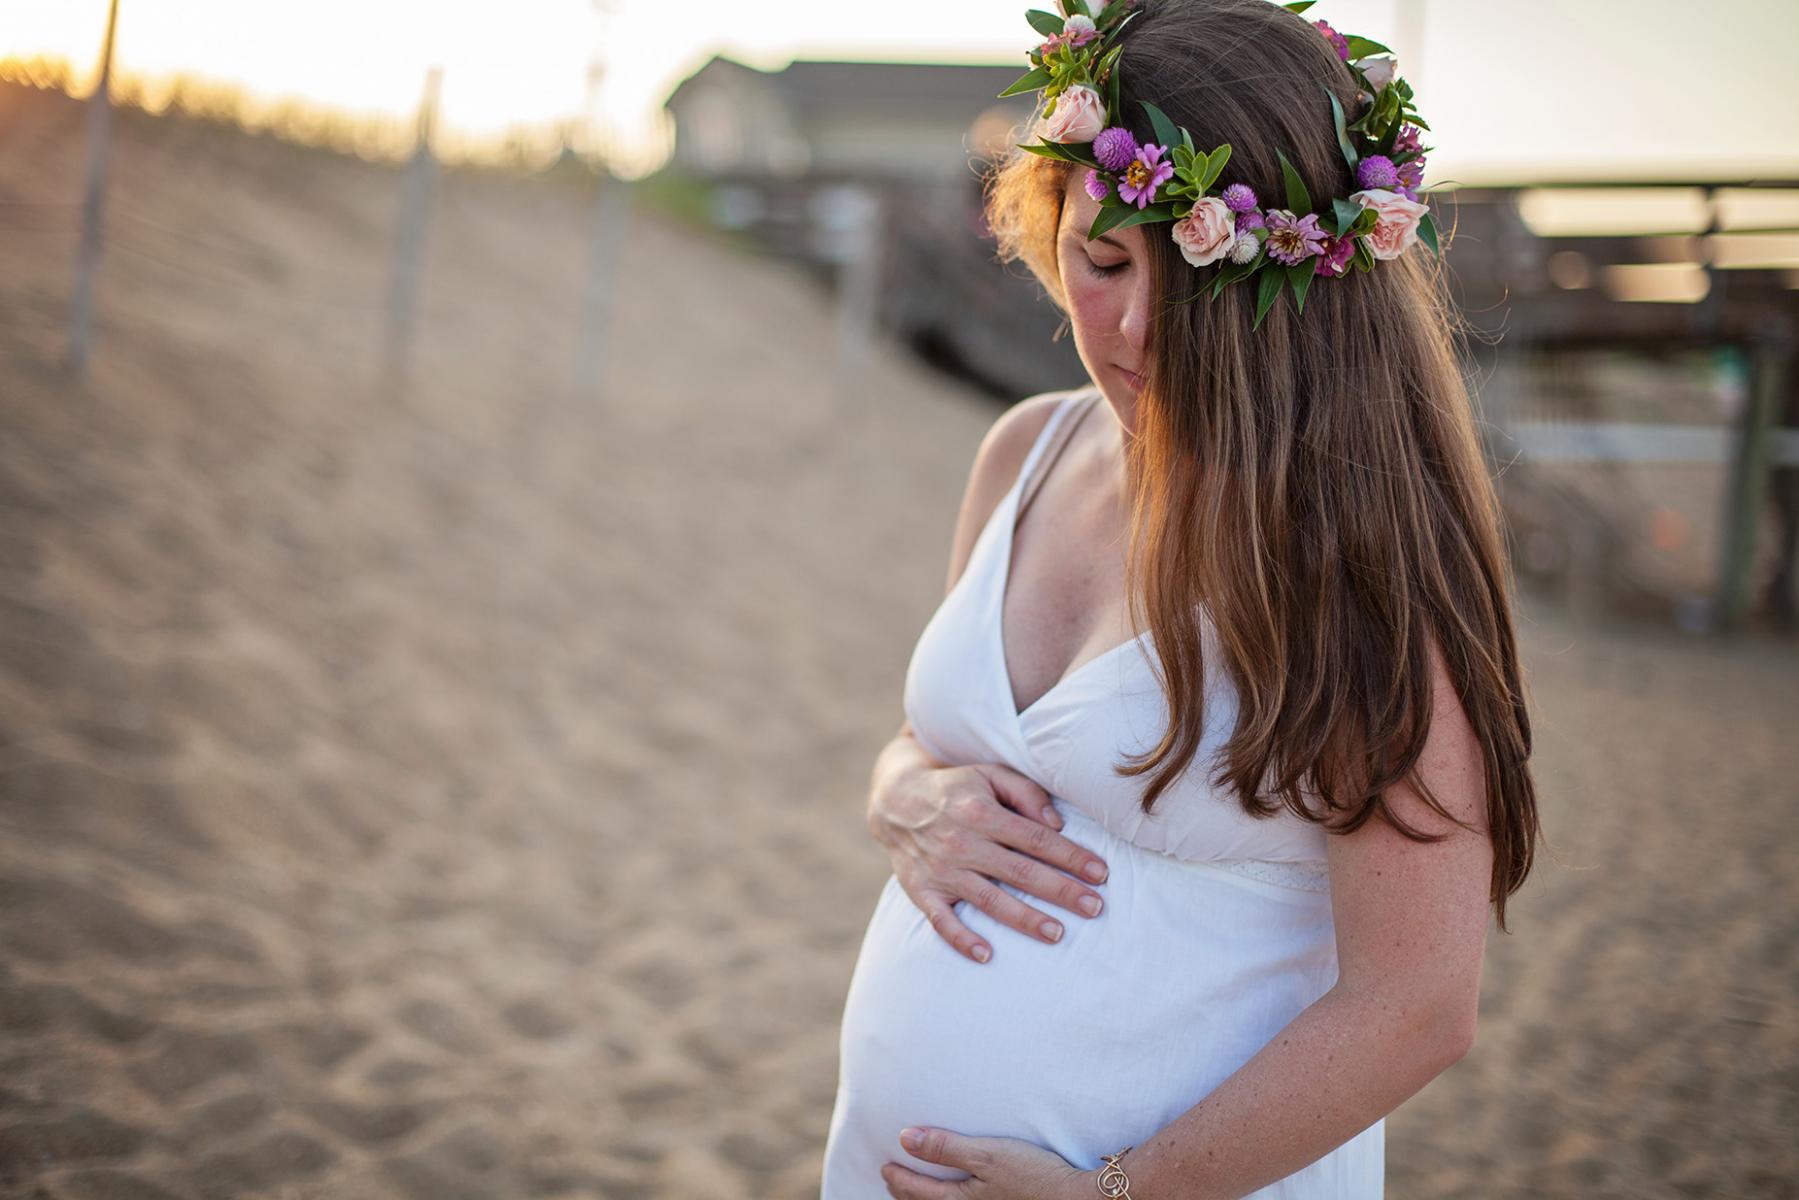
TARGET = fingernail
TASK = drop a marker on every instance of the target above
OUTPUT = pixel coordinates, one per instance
(1090, 905)
(910, 1137)
(1096, 872)
(1051, 930)
(982, 953)
(1055, 818)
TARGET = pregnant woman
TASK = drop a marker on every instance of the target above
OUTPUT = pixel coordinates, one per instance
(1226, 671)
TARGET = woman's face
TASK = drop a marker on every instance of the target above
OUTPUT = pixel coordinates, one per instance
(1107, 282)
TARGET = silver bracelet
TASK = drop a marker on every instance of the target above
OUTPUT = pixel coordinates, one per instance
(1112, 1180)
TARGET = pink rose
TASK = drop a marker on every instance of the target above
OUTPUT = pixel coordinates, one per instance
(1396, 226)
(1380, 71)
(1206, 234)
(1080, 115)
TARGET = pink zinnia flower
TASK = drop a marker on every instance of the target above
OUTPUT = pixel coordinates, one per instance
(1407, 141)
(1079, 30)
(1334, 258)
(1293, 239)
(1144, 174)
(1411, 177)
(1334, 38)
(1096, 184)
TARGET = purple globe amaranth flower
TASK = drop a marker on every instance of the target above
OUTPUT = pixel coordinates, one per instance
(1144, 174)
(1096, 185)
(1293, 239)
(1239, 198)
(1376, 171)
(1337, 40)
(1115, 148)
(1249, 220)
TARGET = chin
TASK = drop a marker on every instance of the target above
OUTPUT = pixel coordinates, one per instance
(1124, 407)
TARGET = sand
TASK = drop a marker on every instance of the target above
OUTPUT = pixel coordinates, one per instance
(460, 793)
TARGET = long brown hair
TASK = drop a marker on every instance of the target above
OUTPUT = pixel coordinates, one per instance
(1318, 483)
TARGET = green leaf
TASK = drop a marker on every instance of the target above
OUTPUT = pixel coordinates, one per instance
(1299, 277)
(1298, 199)
(1343, 142)
(1299, 6)
(1107, 217)
(1161, 211)
(1232, 272)
(1368, 220)
(1414, 120)
(1046, 23)
(1187, 141)
(1125, 214)
(1214, 166)
(1048, 150)
(1364, 255)
(1076, 6)
(1112, 97)
(1361, 47)
(1272, 282)
(1348, 212)
(1166, 133)
(1427, 233)
(1030, 81)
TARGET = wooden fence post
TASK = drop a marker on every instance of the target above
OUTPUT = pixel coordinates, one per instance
(409, 244)
(93, 206)
(1747, 487)
(611, 220)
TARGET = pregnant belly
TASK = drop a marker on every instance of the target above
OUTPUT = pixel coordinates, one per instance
(1084, 1045)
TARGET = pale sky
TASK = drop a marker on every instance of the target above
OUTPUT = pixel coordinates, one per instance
(1533, 88)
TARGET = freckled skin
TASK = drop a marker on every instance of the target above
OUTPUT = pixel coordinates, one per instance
(1109, 312)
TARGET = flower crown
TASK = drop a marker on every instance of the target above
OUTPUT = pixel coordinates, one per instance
(1076, 68)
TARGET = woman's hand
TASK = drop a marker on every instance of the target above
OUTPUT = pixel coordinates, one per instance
(998, 1169)
(952, 831)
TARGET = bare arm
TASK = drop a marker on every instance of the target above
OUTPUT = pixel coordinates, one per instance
(1411, 922)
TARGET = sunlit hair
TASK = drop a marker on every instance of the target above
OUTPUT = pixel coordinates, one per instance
(1318, 485)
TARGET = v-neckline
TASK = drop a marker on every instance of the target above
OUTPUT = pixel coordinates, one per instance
(1008, 692)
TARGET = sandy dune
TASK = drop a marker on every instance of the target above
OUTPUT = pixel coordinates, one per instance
(460, 795)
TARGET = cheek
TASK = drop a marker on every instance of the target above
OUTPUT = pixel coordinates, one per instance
(1092, 301)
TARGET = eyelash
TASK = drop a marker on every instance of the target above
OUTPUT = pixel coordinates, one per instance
(1111, 270)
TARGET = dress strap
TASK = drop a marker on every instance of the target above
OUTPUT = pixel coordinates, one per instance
(1050, 443)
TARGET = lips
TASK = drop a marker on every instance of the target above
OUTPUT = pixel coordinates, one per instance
(1135, 380)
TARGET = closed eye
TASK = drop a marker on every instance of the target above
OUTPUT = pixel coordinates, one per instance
(1111, 270)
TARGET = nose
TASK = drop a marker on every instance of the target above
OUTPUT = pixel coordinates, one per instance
(1133, 324)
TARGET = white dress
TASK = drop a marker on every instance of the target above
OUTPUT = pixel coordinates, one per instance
(1216, 930)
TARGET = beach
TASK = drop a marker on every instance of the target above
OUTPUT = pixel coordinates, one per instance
(459, 790)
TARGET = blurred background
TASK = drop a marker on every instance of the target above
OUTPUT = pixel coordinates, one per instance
(472, 476)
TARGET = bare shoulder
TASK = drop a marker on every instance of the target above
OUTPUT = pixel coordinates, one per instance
(997, 462)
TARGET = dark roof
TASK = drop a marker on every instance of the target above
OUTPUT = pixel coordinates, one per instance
(812, 85)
